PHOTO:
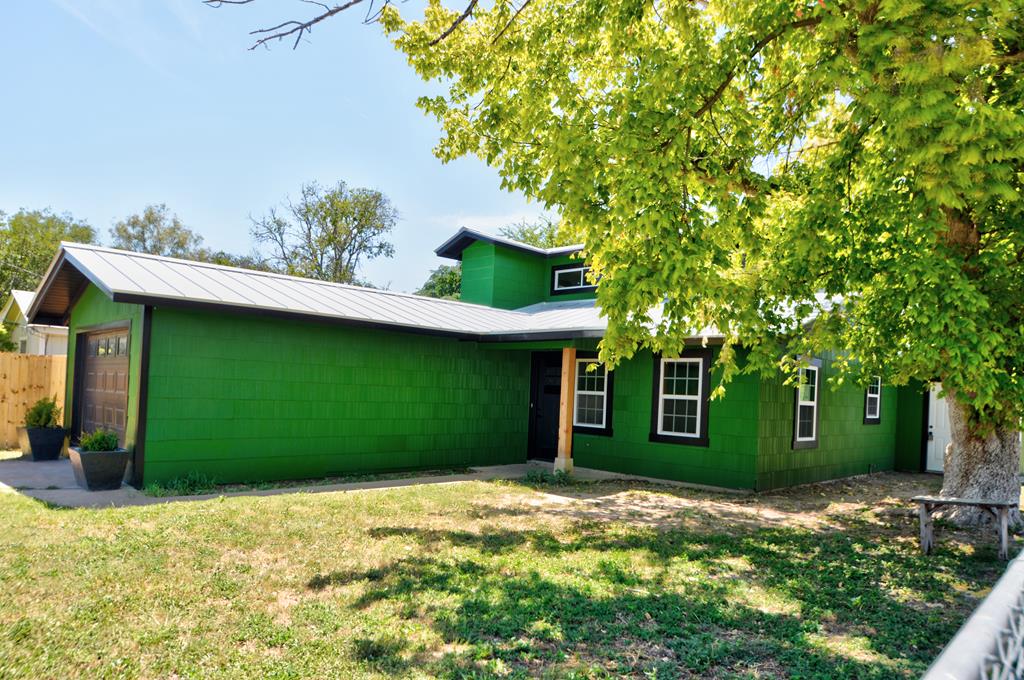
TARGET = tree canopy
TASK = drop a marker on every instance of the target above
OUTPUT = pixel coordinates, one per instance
(28, 242)
(747, 163)
(157, 231)
(444, 282)
(543, 233)
(328, 232)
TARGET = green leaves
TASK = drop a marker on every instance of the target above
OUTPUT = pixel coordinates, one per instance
(735, 161)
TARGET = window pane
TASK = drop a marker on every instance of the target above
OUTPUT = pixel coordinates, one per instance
(590, 410)
(680, 416)
(681, 378)
(569, 278)
(808, 379)
(805, 422)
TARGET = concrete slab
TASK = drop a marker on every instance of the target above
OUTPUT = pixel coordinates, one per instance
(53, 482)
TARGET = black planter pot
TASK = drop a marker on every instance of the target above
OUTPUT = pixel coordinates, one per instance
(98, 470)
(46, 442)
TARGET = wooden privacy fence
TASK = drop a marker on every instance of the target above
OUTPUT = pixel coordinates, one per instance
(25, 379)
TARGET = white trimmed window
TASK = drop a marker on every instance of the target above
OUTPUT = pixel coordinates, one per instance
(807, 405)
(873, 399)
(591, 398)
(679, 398)
(570, 278)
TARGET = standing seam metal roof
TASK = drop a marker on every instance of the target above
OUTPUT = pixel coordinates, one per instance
(150, 279)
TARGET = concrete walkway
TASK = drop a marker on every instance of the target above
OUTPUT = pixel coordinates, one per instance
(54, 483)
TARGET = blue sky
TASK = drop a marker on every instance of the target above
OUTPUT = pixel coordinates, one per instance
(114, 104)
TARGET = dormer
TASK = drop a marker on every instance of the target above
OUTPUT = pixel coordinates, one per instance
(500, 272)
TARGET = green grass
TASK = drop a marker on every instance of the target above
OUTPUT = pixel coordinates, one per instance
(480, 580)
(197, 484)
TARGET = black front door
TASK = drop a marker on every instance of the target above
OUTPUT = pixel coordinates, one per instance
(545, 392)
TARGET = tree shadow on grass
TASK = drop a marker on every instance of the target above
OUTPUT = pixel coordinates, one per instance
(674, 602)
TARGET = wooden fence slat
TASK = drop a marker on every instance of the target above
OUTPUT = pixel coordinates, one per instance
(25, 379)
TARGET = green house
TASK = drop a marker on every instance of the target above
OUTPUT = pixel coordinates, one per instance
(246, 376)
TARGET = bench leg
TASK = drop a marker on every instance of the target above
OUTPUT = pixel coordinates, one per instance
(1004, 538)
(927, 533)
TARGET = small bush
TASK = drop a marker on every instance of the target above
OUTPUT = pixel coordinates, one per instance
(44, 413)
(100, 440)
(192, 484)
(545, 478)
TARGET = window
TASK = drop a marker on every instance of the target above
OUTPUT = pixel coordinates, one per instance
(680, 408)
(873, 402)
(590, 411)
(570, 278)
(805, 427)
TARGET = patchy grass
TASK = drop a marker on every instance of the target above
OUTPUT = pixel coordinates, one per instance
(488, 580)
(197, 484)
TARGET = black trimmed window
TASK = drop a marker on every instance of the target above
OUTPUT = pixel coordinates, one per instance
(873, 401)
(570, 278)
(805, 414)
(592, 401)
(679, 408)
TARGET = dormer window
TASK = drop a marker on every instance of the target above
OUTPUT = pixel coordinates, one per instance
(570, 278)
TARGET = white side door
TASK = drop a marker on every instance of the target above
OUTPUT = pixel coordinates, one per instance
(938, 431)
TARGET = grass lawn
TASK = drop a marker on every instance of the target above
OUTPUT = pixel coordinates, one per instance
(488, 579)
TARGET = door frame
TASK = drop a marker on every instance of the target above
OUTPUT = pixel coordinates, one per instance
(77, 387)
(536, 357)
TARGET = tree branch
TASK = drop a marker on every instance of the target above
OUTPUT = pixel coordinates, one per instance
(296, 28)
(758, 46)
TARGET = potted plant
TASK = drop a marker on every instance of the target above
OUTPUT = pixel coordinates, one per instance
(99, 463)
(45, 434)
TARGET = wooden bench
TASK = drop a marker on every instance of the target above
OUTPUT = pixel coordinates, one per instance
(926, 505)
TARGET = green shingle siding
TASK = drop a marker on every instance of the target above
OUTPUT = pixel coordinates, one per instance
(846, 446)
(729, 460)
(496, 276)
(239, 397)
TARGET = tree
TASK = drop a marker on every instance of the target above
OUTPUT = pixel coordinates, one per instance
(254, 261)
(544, 233)
(801, 175)
(327, 233)
(6, 344)
(28, 242)
(156, 231)
(444, 282)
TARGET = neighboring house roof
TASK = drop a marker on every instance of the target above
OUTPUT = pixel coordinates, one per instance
(162, 281)
(20, 301)
(463, 238)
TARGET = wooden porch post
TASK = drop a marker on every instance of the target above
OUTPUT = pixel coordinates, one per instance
(565, 410)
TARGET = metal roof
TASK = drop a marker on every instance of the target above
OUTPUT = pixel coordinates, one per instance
(163, 281)
(463, 238)
(21, 298)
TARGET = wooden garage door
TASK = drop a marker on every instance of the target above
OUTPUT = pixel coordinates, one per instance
(105, 390)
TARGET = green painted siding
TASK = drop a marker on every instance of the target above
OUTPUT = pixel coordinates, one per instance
(496, 276)
(478, 274)
(729, 460)
(910, 405)
(846, 446)
(94, 308)
(246, 398)
(549, 264)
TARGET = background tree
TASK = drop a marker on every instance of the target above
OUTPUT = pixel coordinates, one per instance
(6, 344)
(444, 282)
(543, 233)
(156, 231)
(28, 242)
(253, 261)
(327, 233)
(744, 163)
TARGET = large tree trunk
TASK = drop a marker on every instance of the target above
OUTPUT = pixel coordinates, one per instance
(980, 465)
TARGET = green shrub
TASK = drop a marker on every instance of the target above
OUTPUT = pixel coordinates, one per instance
(100, 440)
(192, 484)
(44, 413)
(544, 478)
